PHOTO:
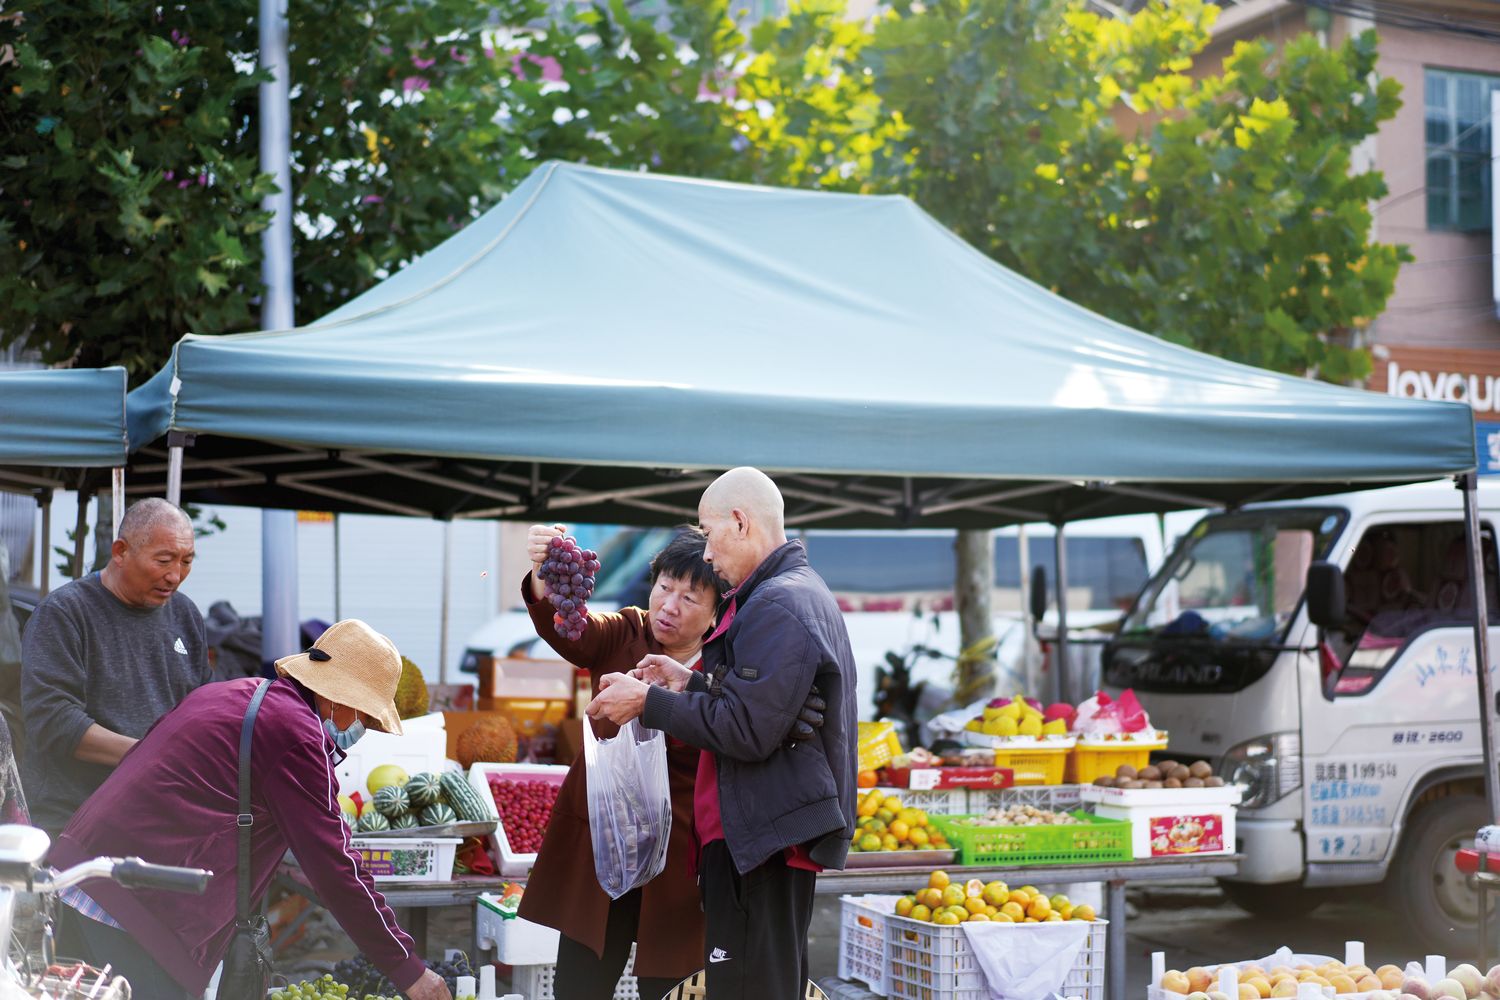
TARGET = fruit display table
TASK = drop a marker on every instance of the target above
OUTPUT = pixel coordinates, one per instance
(1116, 875)
(415, 897)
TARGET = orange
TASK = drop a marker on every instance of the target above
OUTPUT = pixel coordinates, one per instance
(899, 829)
(921, 912)
(917, 837)
(1002, 918)
(905, 905)
(973, 887)
(1084, 912)
(946, 918)
(1039, 908)
(953, 895)
(1020, 896)
(866, 779)
(978, 916)
(889, 842)
(938, 879)
(974, 904)
(932, 898)
(869, 842)
(892, 802)
(1013, 910)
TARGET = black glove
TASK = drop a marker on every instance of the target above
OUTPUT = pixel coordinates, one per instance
(810, 718)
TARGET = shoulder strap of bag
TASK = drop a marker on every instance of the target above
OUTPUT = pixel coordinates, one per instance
(245, 820)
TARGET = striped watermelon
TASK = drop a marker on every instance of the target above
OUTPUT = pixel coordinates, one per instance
(372, 822)
(406, 821)
(438, 815)
(424, 789)
(392, 801)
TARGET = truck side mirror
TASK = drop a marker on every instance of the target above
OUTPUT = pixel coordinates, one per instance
(1325, 595)
(1038, 594)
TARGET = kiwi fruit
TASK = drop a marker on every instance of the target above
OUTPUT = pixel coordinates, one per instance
(1192, 783)
(1202, 769)
(1149, 773)
(1125, 771)
(1154, 784)
(1172, 782)
(1132, 783)
(1182, 772)
(1213, 781)
(1104, 781)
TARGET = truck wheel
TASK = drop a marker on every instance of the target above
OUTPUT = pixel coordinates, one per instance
(1284, 899)
(1440, 903)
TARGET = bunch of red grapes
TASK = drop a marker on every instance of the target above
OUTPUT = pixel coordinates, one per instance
(525, 807)
(569, 574)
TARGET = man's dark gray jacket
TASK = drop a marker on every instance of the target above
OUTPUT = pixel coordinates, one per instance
(786, 635)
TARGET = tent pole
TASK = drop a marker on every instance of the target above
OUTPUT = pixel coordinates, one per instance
(174, 476)
(80, 532)
(117, 499)
(447, 602)
(44, 500)
(1469, 484)
(338, 614)
(1060, 671)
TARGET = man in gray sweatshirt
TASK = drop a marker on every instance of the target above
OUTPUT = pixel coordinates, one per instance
(104, 657)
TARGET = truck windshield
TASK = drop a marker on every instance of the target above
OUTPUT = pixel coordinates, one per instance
(1236, 577)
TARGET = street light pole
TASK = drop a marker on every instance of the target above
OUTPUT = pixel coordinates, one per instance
(279, 625)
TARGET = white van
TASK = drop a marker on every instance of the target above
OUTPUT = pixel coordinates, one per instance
(895, 587)
(1363, 756)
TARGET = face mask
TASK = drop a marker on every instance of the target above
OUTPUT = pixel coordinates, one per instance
(344, 738)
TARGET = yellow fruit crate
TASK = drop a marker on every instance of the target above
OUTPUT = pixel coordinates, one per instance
(1034, 765)
(1088, 761)
(878, 744)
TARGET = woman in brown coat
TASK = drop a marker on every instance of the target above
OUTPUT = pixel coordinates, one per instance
(664, 917)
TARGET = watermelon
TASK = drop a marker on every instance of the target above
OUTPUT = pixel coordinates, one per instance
(392, 801)
(438, 815)
(405, 821)
(424, 789)
(372, 822)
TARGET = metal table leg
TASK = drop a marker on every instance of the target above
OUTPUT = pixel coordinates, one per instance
(1114, 964)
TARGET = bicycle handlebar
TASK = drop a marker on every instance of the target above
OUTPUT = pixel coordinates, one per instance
(133, 873)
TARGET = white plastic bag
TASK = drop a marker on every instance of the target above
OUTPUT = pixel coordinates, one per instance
(1022, 963)
(630, 805)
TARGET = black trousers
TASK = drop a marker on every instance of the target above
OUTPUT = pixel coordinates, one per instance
(100, 945)
(755, 941)
(582, 975)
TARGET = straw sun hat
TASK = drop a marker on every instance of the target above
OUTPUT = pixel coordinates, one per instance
(351, 664)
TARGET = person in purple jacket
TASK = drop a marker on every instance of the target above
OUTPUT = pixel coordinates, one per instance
(173, 800)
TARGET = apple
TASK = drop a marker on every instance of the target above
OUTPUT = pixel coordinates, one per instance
(1450, 988)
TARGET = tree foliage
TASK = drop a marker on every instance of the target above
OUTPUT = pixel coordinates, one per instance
(1214, 206)
(1100, 157)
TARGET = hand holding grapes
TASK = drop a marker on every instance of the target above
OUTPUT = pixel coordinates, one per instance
(563, 574)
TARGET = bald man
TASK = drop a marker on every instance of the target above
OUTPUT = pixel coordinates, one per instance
(769, 812)
(104, 657)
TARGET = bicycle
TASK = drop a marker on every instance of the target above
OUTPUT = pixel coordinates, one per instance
(40, 974)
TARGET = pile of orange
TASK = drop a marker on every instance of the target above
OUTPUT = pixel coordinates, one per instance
(944, 901)
(885, 824)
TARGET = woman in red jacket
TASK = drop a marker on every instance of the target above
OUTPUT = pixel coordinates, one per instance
(664, 917)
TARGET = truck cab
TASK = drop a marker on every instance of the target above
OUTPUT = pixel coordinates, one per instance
(1359, 745)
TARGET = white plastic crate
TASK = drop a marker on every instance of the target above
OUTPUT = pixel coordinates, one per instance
(933, 801)
(511, 862)
(407, 859)
(514, 940)
(535, 982)
(1060, 798)
(862, 945)
(1168, 822)
(935, 962)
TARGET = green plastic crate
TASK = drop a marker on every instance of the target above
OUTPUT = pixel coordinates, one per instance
(1094, 839)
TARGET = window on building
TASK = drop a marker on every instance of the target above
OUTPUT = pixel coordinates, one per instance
(1458, 149)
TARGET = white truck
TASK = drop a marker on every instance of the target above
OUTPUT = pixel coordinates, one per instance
(1362, 753)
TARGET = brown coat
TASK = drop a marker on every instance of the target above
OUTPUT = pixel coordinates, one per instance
(563, 891)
